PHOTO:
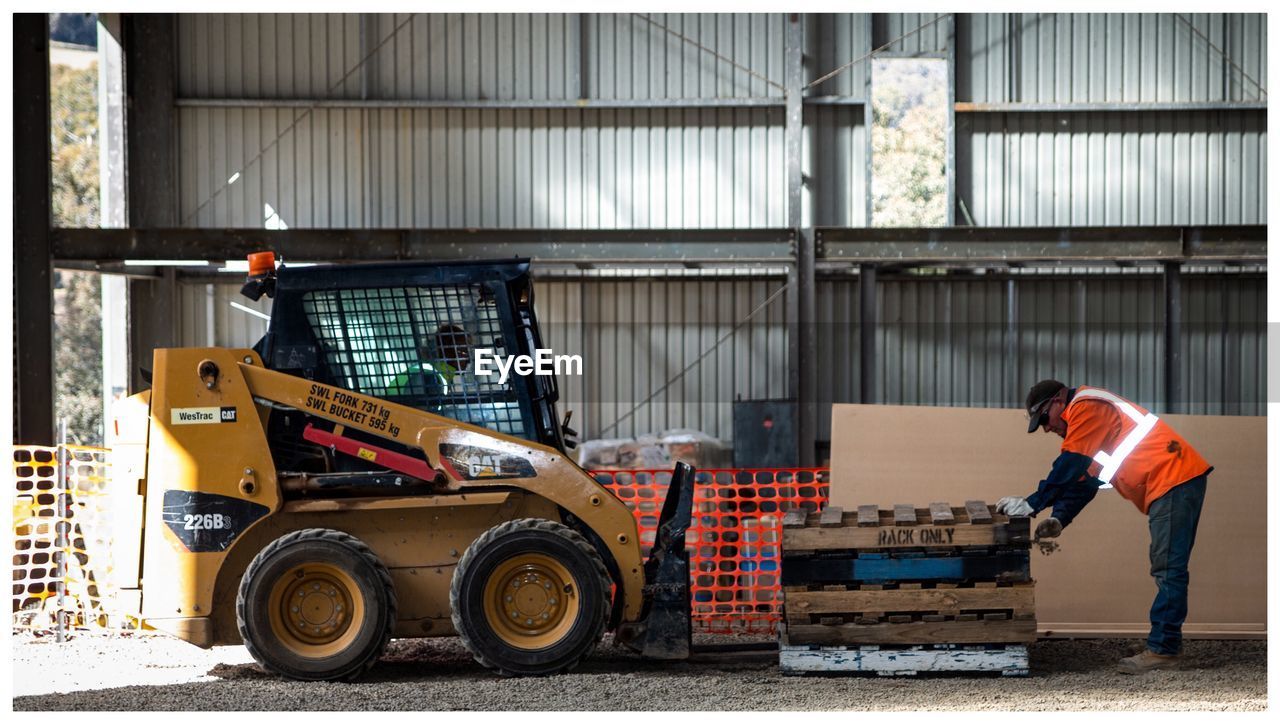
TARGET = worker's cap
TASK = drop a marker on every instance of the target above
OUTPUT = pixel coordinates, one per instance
(1038, 400)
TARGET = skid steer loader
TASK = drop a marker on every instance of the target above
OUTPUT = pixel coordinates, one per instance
(352, 478)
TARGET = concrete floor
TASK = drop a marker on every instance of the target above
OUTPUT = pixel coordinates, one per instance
(151, 672)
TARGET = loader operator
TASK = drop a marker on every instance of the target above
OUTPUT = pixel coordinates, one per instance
(445, 356)
(1109, 441)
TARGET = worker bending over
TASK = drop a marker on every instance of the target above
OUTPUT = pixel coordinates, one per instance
(1108, 441)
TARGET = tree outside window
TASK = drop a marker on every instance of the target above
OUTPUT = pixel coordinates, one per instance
(909, 142)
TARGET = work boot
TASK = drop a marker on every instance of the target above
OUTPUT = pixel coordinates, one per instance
(1146, 661)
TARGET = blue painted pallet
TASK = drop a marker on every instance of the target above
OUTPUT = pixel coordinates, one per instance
(1011, 566)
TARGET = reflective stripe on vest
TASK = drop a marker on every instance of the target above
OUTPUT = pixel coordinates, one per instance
(1111, 462)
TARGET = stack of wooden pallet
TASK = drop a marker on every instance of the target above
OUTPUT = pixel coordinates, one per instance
(901, 591)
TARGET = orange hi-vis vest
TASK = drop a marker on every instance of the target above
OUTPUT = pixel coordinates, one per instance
(1132, 449)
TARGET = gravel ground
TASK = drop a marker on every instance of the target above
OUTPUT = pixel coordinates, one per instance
(438, 674)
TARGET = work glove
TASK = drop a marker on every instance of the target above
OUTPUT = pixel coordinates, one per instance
(1014, 506)
(1049, 528)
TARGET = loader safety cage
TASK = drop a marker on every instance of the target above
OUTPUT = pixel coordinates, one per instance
(408, 333)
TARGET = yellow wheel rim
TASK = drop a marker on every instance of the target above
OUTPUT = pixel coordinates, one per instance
(315, 610)
(531, 601)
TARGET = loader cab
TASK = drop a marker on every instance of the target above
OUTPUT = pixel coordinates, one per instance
(408, 333)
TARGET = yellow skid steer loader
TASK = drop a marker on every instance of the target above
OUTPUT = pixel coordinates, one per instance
(352, 478)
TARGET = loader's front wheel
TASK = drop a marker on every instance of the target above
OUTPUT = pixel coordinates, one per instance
(530, 597)
(316, 604)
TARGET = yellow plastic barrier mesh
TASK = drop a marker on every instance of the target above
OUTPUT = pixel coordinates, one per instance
(71, 523)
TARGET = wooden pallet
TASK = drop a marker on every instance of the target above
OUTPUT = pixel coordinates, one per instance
(1006, 660)
(954, 630)
(910, 604)
(907, 576)
(905, 526)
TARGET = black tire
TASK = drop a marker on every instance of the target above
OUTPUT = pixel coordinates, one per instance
(497, 557)
(292, 562)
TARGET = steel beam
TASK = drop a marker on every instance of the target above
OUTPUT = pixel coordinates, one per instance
(32, 269)
(581, 246)
(150, 180)
(835, 101)
(1027, 244)
(478, 103)
(1109, 107)
(857, 245)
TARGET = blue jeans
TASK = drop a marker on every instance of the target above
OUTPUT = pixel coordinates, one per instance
(1173, 518)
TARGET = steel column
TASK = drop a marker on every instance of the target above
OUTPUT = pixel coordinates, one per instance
(868, 122)
(1173, 391)
(32, 252)
(152, 122)
(150, 182)
(113, 210)
(951, 120)
(1013, 339)
(867, 313)
(802, 345)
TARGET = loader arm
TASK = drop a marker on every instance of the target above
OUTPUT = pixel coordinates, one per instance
(460, 457)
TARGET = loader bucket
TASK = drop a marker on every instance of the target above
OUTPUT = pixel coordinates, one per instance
(665, 632)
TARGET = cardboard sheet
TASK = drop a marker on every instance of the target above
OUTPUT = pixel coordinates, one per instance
(1099, 583)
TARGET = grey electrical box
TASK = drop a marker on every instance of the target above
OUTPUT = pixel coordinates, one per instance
(764, 434)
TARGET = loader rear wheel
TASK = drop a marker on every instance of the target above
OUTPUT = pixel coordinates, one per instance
(317, 605)
(530, 597)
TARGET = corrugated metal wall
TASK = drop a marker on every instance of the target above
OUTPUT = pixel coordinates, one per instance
(977, 342)
(835, 143)
(566, 168)
(944, 340)
(1224, 345)
(1111, 58)
(701, 168)
(666, 353)
(1127, 169)
(573, 169)
(495, 56)
(968, 342)
(832, 40)
(207, 319)
(911, 33)
(633, 56)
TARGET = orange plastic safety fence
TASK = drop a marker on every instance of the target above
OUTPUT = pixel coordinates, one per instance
(734, 539)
